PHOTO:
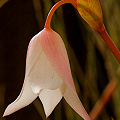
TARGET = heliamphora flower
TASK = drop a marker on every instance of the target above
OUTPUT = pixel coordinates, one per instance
(47, 76)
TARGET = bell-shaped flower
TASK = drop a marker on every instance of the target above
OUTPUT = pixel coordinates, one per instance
(47, 76)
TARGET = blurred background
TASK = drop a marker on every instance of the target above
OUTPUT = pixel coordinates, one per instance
(95, 71)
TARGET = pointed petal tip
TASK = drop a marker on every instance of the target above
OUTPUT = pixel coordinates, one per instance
(47, 113)
(5, 114)
(73, 100)
(7, 111)
(10, 109)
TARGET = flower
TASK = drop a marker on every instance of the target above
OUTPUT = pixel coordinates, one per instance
(47, 76)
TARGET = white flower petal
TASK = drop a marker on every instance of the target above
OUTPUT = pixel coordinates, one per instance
(39, 71)
(25, 98)
(33, 52)
(50, 98)
(73, 100)
(43, 75)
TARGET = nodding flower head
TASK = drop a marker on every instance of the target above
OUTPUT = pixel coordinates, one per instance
(47, 76)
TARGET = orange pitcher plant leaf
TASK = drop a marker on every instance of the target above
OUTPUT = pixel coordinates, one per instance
(47, 76)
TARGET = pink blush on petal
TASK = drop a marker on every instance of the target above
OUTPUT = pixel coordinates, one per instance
(55, 50)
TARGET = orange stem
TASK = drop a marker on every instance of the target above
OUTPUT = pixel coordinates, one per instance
(50, 14)
(110, 44)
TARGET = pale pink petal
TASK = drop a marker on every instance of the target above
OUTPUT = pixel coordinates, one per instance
(50, 98)
(55, 50)
(25, 98)
(73, 100)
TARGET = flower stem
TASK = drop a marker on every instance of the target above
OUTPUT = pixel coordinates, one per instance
(50, 14)
(110, 44)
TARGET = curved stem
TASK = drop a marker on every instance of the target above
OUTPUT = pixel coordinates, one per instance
(50, 14)
(110, 44)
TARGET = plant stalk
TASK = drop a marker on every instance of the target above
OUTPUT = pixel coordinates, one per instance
(110, 44)
(50, 14)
